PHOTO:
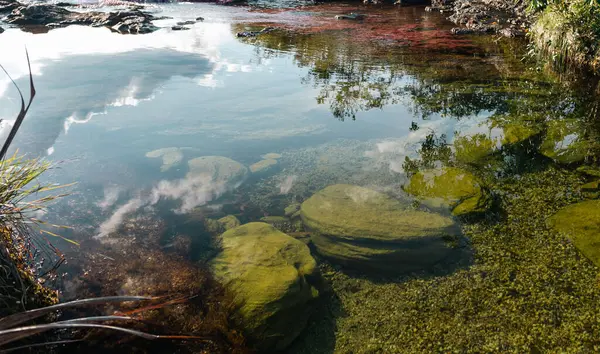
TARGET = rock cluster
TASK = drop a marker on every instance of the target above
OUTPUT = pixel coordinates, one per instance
(504, 17)
(132, 21)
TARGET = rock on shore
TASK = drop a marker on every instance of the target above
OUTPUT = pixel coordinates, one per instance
(132, 21)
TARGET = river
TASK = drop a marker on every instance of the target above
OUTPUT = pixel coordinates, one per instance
(370, 103)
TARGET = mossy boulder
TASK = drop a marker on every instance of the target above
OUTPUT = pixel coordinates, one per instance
(473, 149)
(271, 277)
(222, 172)
(449, 188)
(581, 224)
(229, 222)
(292, 209)
(263, 166)
(367, 230)
(564, 142)
(516, 133)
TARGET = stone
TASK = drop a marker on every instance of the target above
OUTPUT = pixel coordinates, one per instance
(131, 21)
(171, 157)
(263, 166)
(449, 188)
(229, 222)
(292, 209)
(221, 171)
(589, 170)
(564, 142)
(473, 149)
(185, 23)
(370, 231)
(179, 28)
(271, 155)
(1, 29)
(516, 133)
(580, 223)
(271, 277)
(350, 16)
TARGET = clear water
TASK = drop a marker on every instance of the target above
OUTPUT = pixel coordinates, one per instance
(342, 102)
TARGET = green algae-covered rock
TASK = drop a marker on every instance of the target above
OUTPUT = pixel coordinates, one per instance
(473, 149)
(263, 166)
(270, 275)
(219, 170)
(229, 222)
(564, 142)
(365, 229)
(581, 224)
(292, 209)
(449, 188)
(593, 171)
(516, 133)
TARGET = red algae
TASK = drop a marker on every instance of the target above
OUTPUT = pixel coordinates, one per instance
(397, 26)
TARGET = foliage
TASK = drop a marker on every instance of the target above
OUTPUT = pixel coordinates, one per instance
(567, 33)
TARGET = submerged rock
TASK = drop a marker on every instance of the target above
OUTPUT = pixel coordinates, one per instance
(271, 155)
(473, 149)
(171, 157)
(229, 222)
(219, 170)
(564, 142)
(581, 224)
(270, 275)
(449, 188)
(263, 166)
(368, 230)
(292, 209)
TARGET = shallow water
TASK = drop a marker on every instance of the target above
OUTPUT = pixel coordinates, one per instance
(360, 103)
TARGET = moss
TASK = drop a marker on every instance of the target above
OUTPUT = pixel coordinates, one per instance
(369, 231)
(516, 133)
(229, 222)
(565, 142)
(449, 188)
(292, 209)
(581, 223)
(528, 289)
(473, 149)
(589, 170)
(360, 214)
(270, 274)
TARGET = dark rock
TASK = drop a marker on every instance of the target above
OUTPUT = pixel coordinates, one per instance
(52, 16)
(185, 23)
(180, 28)
(199, 18)
(247, 34)
(1, 29)
(8, 5)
